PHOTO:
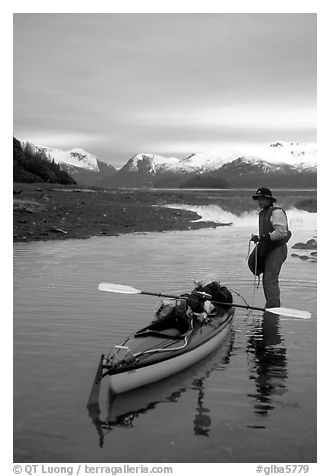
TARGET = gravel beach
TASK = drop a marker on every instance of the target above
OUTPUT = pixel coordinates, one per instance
(57, 212)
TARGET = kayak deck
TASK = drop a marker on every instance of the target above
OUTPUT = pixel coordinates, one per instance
(150, 354)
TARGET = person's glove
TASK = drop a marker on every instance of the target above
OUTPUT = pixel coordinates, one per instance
(255, 238)
(265, 238)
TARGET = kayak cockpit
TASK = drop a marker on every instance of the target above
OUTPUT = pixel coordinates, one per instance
(173, 327)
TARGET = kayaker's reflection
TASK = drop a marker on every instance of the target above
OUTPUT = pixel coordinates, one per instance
(269, 365)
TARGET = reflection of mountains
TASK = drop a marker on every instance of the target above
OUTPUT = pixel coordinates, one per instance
(242, 205)
(124, 409)
(230, 215)
(268, 363)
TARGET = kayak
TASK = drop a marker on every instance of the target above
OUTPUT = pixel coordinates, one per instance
(168, 345)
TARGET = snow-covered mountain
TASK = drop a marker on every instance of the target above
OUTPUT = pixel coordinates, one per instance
(83, 166)
(151, 162)
(295, 154)
(280, 163)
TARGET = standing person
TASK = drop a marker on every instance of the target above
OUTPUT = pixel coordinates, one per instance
(272, 248)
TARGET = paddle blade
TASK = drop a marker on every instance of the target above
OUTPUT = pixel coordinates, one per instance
(285, 311)
(118, 288)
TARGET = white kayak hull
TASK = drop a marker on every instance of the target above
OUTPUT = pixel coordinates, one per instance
(125, 381)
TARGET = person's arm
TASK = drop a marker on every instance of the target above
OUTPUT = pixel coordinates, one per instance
(280, 224)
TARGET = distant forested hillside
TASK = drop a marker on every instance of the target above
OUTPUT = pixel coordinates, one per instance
(30, 166)
(207, 180)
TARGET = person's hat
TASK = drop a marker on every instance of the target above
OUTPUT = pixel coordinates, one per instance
(264, 192)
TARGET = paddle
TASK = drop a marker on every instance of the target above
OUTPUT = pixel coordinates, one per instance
(123, 289)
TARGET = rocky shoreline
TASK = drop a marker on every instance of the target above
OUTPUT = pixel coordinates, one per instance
(310, 246)
(56, 212)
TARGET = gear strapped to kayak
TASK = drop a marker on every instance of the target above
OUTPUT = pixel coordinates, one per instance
(198, 303)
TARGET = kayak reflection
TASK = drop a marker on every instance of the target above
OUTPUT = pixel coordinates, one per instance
(268, 362)
(124, 409)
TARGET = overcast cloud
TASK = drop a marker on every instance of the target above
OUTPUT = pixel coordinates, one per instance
(174, 84)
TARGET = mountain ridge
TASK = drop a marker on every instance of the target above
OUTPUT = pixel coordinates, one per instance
(287, 162)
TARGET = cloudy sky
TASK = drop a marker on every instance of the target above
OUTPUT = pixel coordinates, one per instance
(170, 84)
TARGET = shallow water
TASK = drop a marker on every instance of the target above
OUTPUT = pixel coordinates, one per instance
(254, 400)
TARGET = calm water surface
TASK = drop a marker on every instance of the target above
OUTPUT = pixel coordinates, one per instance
(254, 400)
